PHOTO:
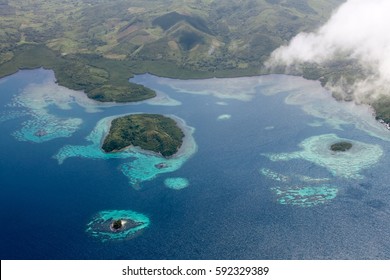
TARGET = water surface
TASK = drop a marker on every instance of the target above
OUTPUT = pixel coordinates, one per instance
(255, 179)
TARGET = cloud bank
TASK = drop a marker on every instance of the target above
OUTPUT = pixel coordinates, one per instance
(359, 30)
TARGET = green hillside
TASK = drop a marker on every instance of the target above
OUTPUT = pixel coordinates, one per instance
(150, 132)
(96, 45)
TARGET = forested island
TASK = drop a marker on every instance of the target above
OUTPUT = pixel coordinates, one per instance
(150, 132)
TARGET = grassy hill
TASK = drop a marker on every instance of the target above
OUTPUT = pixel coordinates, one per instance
(150, 132)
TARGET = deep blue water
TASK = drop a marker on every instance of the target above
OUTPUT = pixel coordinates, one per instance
(228, 211)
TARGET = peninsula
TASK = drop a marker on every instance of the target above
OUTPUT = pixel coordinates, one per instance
(150, 132)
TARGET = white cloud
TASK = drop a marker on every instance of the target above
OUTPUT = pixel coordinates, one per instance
(359, 29)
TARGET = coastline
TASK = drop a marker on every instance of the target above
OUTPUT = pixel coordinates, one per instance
(143, 165)
(185, 76)
(186, 130)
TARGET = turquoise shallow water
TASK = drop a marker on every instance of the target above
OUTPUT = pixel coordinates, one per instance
(255, 178)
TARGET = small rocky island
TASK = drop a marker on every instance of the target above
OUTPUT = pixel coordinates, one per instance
(150, 132)
(116, 225)
(341, 146)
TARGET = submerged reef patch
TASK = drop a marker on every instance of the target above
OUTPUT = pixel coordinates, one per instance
(278, 177)
(11, 115)
(177, 183)
(274, 175)
(346, 164)
(311, 180)
(43, 125)
(292, 189)
(93, 150)
(101, 225)
(309, 95)
(243, 88)
(224, 117)
(321, 105)
(144, 165)
(305, 196)
(162, 99)
(222, 103)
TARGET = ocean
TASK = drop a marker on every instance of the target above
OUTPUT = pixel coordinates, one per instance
(255, 178)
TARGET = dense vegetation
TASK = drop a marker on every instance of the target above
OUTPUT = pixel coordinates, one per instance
(148, 131)
(96, 45)
(382, 108)
(101, 79)
(341, 146)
